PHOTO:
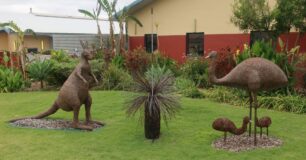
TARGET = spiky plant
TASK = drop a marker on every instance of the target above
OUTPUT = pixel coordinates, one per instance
(155, 99)
(40, 70)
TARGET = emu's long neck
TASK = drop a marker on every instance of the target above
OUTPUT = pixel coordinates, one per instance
(212, 74)
(239, 131)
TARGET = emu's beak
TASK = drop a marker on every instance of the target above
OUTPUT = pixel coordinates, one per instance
(206, 57)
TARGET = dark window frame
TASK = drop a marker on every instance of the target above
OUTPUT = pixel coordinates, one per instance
(148, 43)
(200, 52)
(266, 36)
(32, 50)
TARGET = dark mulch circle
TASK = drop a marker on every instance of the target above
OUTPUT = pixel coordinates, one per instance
(48, 124)
(244, 142)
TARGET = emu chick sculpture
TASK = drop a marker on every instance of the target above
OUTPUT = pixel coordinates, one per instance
(263, 122)
(74, 93)
(225, 125)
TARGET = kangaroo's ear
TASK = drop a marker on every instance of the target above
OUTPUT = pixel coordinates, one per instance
(82, 44)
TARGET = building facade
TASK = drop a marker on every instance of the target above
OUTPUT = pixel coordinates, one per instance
(179, 27)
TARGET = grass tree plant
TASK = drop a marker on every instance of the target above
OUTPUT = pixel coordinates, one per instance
(155, 99)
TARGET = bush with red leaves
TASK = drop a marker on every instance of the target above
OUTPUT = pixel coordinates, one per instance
(136, 61)
(225, 62)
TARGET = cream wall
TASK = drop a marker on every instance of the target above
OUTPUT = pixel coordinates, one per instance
(30, 42)
(3, 41)
(176, 17)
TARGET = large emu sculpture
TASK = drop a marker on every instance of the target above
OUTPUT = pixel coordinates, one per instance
(74, 93)
(253, 75)
(225, 125)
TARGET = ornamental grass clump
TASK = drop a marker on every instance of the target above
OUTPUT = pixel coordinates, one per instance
(155, 99)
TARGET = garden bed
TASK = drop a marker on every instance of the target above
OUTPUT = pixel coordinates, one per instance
(245, 142)
(48, 124)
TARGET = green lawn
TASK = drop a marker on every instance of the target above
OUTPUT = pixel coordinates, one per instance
(188, 136)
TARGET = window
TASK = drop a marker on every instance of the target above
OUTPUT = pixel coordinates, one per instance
(267, 36)
(148, 42)
(195, 43)
(32, 50)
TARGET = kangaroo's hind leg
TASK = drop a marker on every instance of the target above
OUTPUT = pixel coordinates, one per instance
(75, 123)
(88, 112)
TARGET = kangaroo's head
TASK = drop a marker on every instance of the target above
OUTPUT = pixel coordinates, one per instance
(88, 52)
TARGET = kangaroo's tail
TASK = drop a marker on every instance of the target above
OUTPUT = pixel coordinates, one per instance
(50, 111)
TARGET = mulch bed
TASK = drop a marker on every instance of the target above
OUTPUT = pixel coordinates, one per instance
(244, 142)
(47, 124)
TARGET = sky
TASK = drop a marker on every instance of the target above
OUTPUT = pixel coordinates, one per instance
(18, 11)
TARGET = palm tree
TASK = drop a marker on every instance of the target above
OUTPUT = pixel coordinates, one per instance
(95, 16)
(109, 8)
(20, 49)
(155, 98)
(122, 17)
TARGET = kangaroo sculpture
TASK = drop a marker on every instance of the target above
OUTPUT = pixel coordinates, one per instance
(75, 92)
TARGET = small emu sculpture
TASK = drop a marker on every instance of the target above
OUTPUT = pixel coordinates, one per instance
(225, 125)
(75, 92)
(263, 122)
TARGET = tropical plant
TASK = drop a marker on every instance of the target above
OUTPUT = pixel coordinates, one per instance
(162, 60)
(196, 69)
(94, 15)
(155, 99)
(252, 15)
(122, 17)
(187, 88)
(40, 70)
(115, 79)
(10, 81)
(60, 55)
(118, 61)
(137, 61)
(20, 49)
(109, 9)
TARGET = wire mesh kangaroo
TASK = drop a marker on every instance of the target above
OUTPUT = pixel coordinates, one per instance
(75, 92)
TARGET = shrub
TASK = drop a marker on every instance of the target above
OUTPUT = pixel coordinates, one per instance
(118, 61)
(225, 62)
(196, 69)
(137, 61)
(61, 72)
(10, 81)
(115, 79)
(40, 70)
(227, 95)
(187, 88)
(60, 55)
(162, 60)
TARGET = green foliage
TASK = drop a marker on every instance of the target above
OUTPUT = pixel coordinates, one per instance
(10, 81)
(118, 61)
(197, 70)
(61, 71)
(115, 79)
(290, 14)
(59, 55)
(156, 94)
(40, 70)
(291, 103)
(187, 88)
(161, 60)
(252, 15)
(137, 61)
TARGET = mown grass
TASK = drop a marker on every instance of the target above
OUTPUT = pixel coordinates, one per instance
(188, 136)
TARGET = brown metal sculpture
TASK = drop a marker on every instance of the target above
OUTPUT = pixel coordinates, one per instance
(225, 125)
(263, 122)
(74, 93)
(253, 75)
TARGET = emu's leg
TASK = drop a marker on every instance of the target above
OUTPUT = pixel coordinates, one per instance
(75, 123)
(88, 113)
(260, 132)
(267, 131)
(255, 116)
(250, 124)
(224, 137)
